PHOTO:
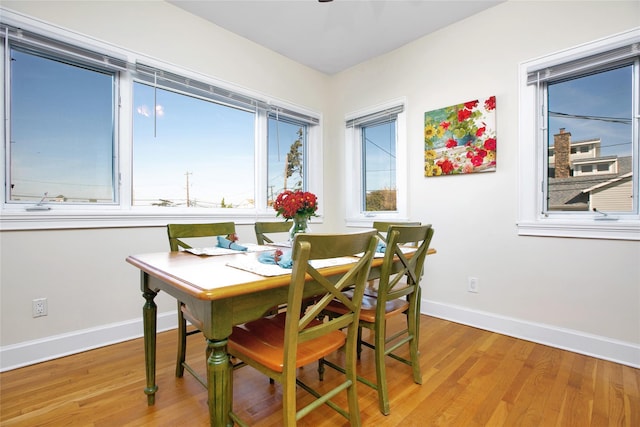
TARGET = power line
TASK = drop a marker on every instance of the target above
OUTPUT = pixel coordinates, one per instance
(622, 120)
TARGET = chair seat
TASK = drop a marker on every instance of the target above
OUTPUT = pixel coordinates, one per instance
(372, 289)
(263, 340)
(369, 305)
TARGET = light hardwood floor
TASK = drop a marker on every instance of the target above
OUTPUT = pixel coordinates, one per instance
(471, 378)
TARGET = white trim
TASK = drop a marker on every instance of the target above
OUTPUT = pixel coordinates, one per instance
(30, 352)
(531, 219)
(353, 156)
(617, 351)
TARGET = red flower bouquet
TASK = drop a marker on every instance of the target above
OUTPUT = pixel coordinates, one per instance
(289, 203)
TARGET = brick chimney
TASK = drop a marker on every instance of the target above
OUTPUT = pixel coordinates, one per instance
(562, 148)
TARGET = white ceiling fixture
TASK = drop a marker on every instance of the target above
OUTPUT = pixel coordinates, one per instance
(331, 36)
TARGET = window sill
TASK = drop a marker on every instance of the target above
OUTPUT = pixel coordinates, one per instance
(601, 229)
(52, 220)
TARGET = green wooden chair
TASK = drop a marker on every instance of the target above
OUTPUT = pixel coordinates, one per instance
(278, 345)
(264, 228)
(395, 296)
(179, 234)
(382, 227)
(264, 234)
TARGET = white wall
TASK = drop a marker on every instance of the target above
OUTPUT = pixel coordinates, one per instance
(547, 289)
(93, 294)
(574, 293)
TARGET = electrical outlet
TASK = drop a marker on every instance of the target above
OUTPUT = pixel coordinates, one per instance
(39, 307)
(473, 285)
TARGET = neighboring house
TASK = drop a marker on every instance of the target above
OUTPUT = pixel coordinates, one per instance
(580, 179)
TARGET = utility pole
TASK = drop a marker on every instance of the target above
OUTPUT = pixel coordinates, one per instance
(188, 199)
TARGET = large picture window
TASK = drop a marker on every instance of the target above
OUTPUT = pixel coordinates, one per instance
(579, 163)
(102, 137)
(191, 152)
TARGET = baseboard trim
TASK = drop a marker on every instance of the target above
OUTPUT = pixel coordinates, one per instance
(36, 351)
(31, 352)
(600, 347)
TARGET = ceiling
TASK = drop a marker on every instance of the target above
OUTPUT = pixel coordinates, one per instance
(333, 36)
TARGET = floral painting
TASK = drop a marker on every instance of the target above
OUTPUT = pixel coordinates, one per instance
(461, 138)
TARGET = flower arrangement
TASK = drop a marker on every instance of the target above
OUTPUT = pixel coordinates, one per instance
(289, 204)
(460, 139)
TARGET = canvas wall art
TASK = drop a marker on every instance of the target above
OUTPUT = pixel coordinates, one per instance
(460, 139)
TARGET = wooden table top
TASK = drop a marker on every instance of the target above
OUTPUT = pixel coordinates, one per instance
(210, 278)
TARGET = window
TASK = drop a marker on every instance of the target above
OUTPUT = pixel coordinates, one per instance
(579, 161)
(379, 165)
(61, 130)
(191, 152)
(99, 136)
(375, 148)
(287, 145)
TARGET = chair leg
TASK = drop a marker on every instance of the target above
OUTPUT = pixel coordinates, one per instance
(289, 399)
(414, 332)
(351, 374)
(182, 342)
(321, 369)
(381, 369)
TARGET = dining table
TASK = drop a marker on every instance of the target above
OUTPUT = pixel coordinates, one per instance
(220, 290)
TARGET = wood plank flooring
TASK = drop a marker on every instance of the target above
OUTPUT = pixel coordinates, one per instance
(471, 377)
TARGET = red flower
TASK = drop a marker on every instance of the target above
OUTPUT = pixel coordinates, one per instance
(445, 125)
(446, 166)
(463, 114)
(490, 144)
(289, 204)
(476, 160)
(490, 103)
(451, 143)
(471, 104)
(480, 131)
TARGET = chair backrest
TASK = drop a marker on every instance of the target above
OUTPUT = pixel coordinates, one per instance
(392, 285)
(308, 247)
(270, 227)
(177, 232)
(383, 226)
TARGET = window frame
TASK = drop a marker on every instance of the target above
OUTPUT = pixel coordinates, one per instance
(354, 192)
(85, 67)
(122, 213)
(532, 220)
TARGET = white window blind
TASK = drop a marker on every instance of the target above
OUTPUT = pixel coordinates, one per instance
(377, 117)
(612, 58)
(36, 43)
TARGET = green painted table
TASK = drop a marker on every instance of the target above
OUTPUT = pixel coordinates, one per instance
(221, 297)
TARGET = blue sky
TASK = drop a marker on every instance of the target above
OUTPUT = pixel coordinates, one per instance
(212, 143)
(55, 128)
(602, 98)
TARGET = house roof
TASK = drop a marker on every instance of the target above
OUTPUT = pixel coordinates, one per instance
(572, 193)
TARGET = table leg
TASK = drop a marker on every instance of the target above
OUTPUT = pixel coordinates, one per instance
(219, 379)
(149, 320)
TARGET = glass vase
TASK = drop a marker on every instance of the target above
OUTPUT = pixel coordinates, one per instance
(300, 225)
